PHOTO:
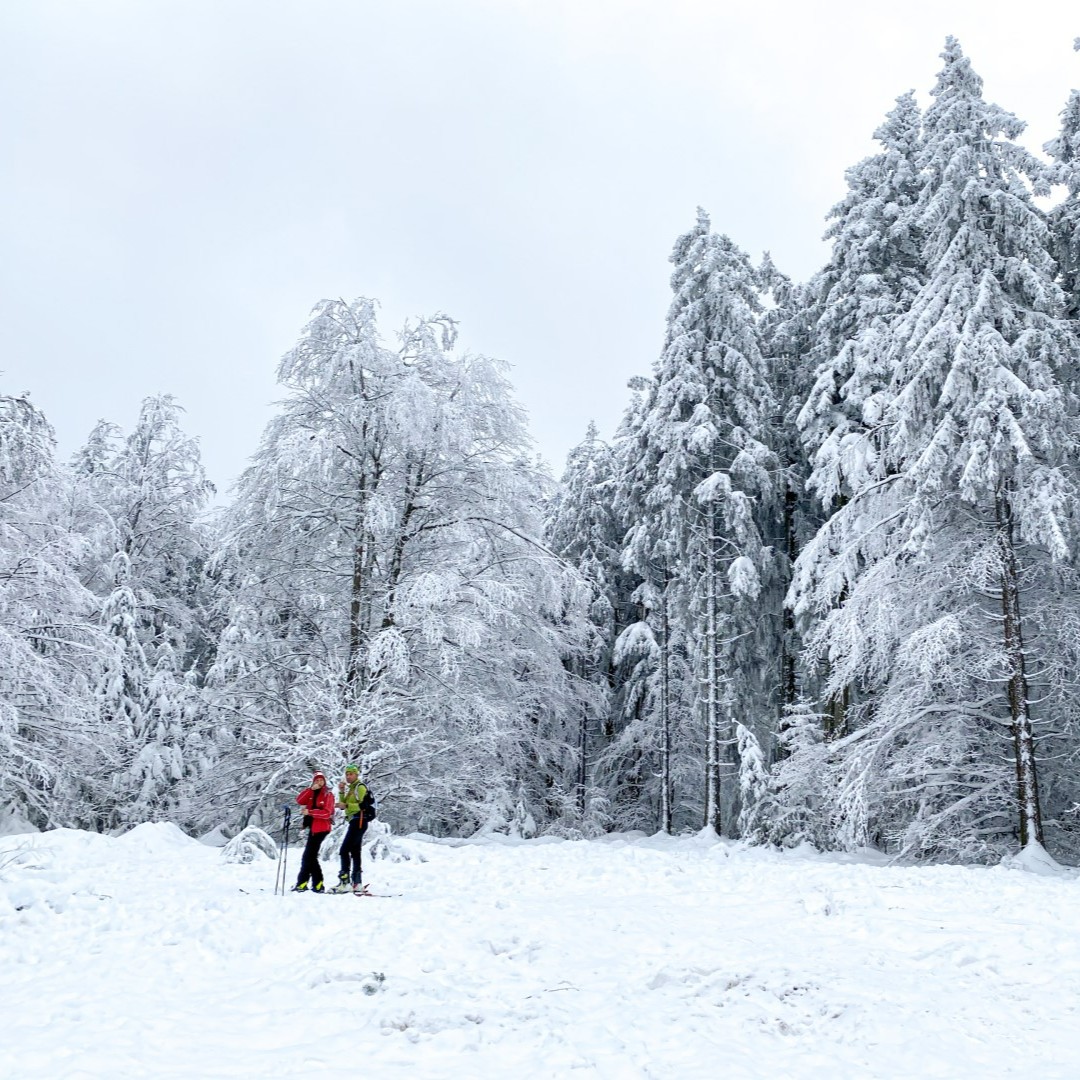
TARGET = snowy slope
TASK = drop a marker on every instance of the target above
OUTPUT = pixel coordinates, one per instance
(148, 955)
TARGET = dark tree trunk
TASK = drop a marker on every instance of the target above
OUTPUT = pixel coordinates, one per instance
(1027, 782)
(788, 683)
(712, 675)
(665, 715)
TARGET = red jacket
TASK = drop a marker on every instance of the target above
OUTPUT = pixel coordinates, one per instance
(322, 815)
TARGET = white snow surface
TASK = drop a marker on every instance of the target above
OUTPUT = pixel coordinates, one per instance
(149, 955)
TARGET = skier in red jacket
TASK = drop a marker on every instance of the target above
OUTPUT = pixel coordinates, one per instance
(318, 804)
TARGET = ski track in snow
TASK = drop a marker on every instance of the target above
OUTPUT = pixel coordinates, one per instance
(148, 955)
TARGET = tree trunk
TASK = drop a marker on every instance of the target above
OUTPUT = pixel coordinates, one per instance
(836, 708)
(712, 675)
(360, 594)
(665, 715)
(1027, 784)
(413, 486)
(836, 714)
(356, 612)
(583, 749)
(788, 683)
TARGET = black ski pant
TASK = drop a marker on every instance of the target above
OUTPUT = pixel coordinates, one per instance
(309, 862)
(351, 850)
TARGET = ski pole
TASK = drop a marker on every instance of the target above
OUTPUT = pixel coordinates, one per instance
(285, 853)
(283, 857)
(277, 869)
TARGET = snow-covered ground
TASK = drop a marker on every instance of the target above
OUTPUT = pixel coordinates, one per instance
(149, 955)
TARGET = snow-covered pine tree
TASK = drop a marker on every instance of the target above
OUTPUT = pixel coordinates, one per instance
(966, 509)
(152, 491)
(1057, 610)
(171, 757)
(786, 332)
(141, 501)
(702, 427)
(755, 787)
(639, 766)
(872, 277)
(1064, 151)
(583, 528)
(798, 806)
(122, 696)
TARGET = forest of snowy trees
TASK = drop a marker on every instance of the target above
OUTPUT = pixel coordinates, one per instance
(819, 587)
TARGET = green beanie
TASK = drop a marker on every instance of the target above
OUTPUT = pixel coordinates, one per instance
(351, 768)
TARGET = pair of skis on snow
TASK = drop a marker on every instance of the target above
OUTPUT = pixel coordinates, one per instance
(340, 890)
(351, 890)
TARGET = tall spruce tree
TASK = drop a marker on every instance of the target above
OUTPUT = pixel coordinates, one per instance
(583, 527)
(1064, 151)
(786, 332)
(919, 579)
(703, 425)
(872, 277)
(641, 762)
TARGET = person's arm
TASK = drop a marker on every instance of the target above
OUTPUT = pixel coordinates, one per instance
(326, 811)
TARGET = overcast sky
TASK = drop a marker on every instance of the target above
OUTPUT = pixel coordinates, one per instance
(181, 180)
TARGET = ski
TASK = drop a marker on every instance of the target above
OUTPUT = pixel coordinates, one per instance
(365, 891)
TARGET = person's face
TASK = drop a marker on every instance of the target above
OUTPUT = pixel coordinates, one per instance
(318, 783)
(351, 776)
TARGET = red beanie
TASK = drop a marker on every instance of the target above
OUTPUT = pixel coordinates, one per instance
(318, 776)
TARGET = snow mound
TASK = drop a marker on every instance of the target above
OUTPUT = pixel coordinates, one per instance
(157, 837)
(395, 850)
(216, 837)
(1034, 859)
(12, 822)
(248, 845)
(56, 845)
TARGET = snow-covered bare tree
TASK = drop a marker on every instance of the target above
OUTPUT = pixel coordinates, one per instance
(395, 605)
(49, 644)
